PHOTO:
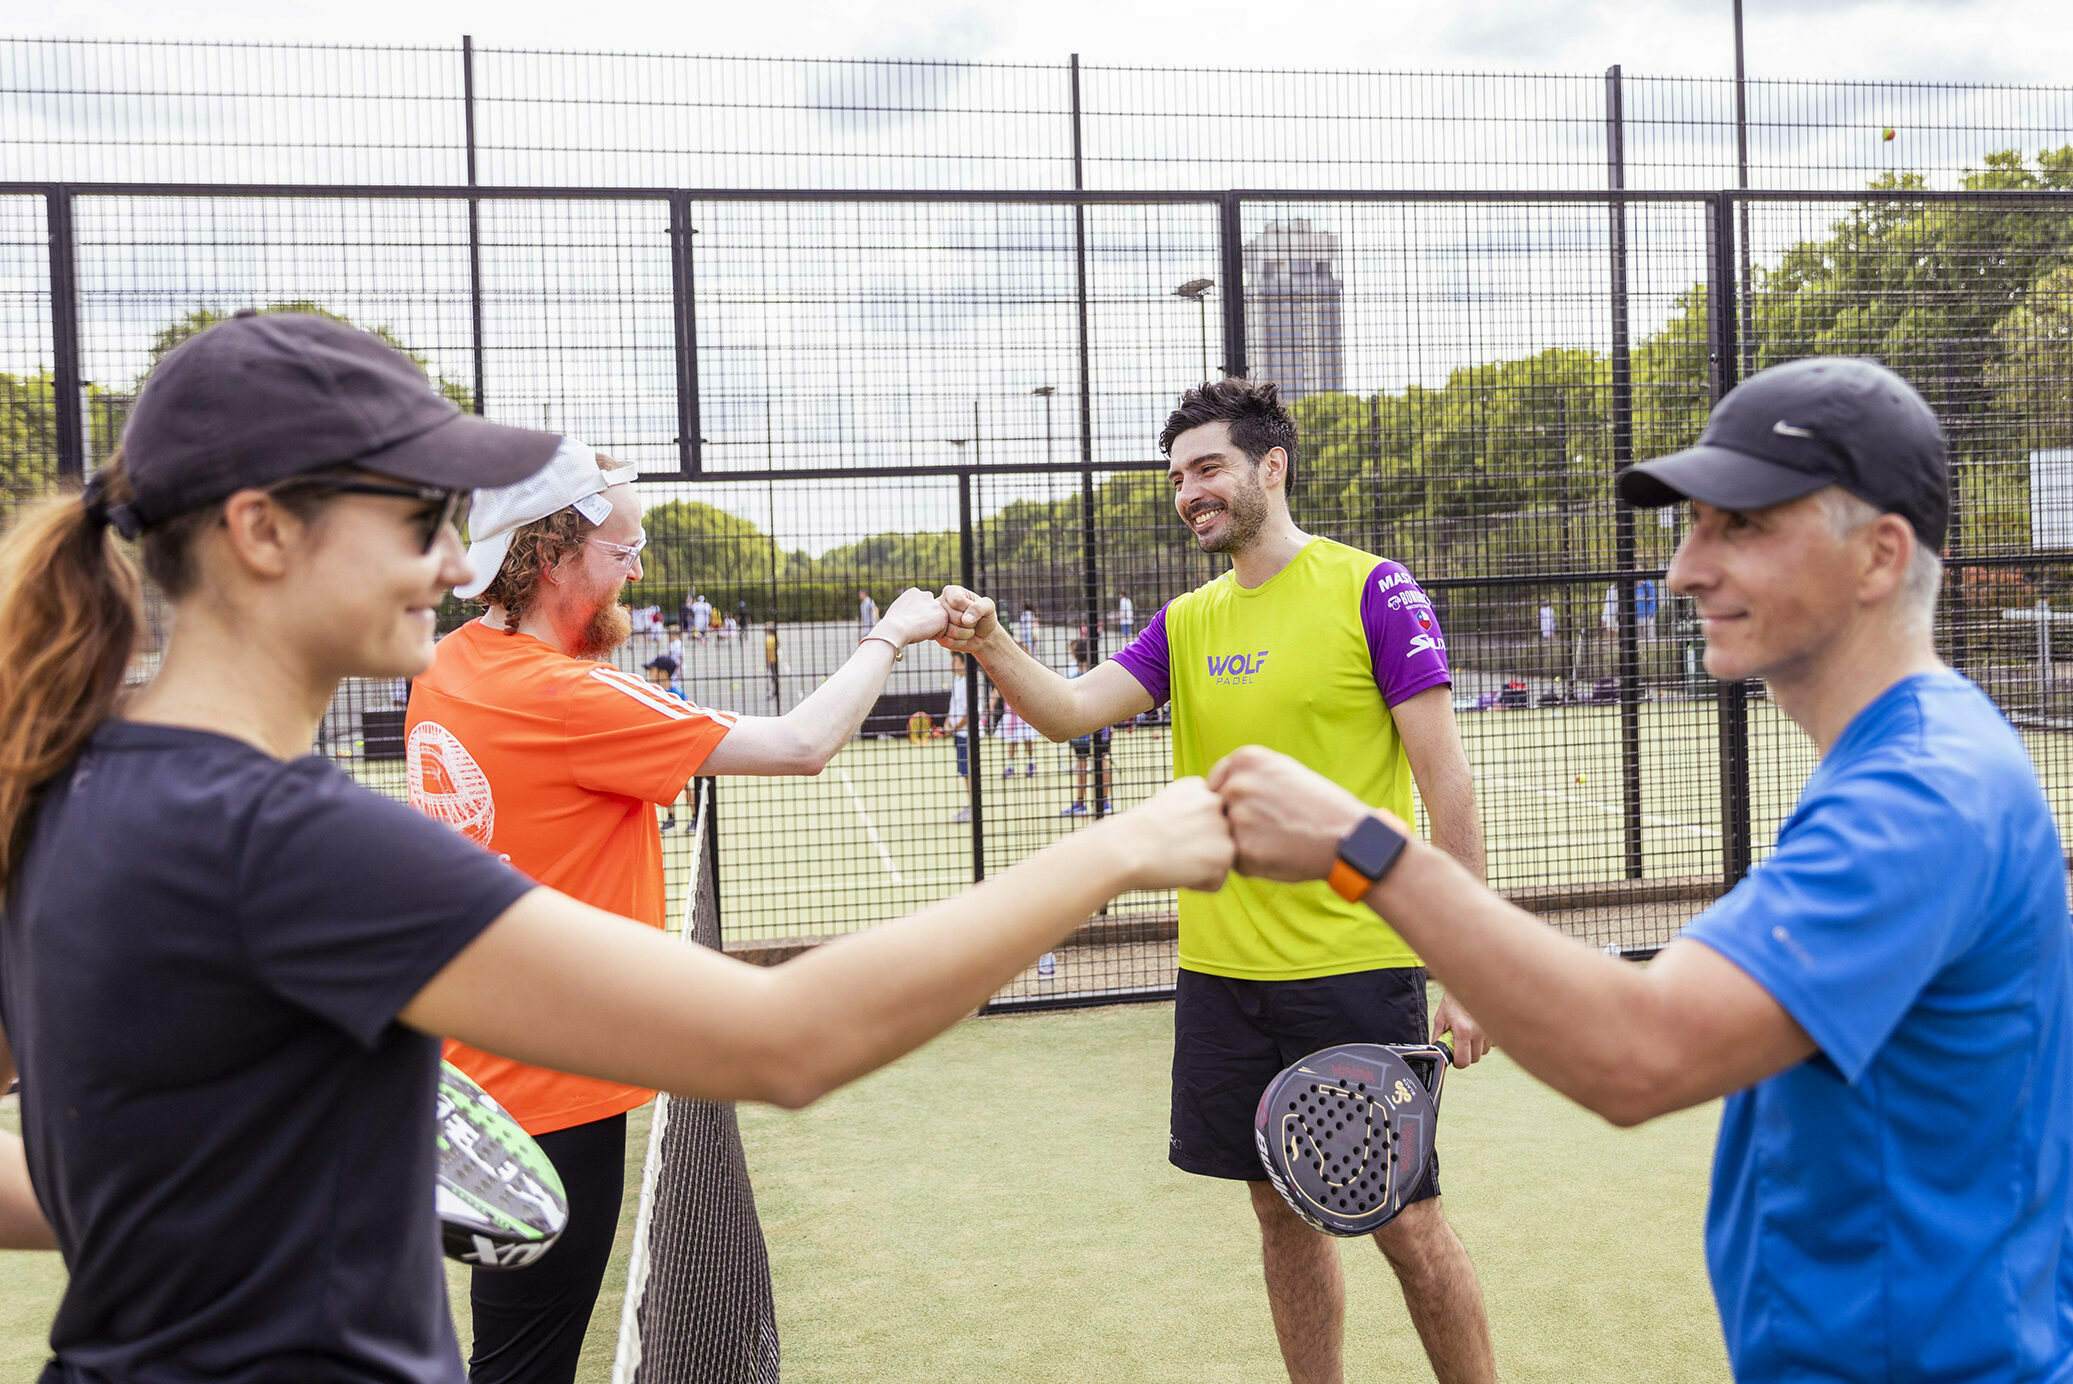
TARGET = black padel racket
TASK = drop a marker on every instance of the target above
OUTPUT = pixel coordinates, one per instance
(501, 1204)
(1346, 1134)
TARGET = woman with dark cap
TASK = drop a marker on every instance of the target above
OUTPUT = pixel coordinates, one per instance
(223, 964)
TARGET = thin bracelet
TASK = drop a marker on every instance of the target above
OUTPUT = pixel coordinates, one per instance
(898, 652)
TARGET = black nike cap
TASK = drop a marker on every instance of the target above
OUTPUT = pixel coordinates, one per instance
(1793, 429)
(266, 396)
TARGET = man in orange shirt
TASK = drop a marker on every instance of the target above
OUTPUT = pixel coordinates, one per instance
(521, 737)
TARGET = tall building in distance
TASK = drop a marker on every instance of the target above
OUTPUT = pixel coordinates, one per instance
(1294, 322)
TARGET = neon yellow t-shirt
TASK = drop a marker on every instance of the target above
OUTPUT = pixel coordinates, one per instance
(1308, 663)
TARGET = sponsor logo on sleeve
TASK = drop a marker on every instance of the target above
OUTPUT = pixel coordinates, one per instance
(1426, 644)
(1236, 670)
(1393, 580)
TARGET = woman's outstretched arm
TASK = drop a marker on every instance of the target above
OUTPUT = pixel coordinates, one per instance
(559, 984)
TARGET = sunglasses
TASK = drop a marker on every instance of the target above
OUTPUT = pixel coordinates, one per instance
(443, 507)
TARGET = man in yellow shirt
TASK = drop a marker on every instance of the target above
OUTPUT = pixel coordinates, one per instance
(1334, 657)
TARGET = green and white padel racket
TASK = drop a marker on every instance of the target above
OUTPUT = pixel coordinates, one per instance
(501, 1204)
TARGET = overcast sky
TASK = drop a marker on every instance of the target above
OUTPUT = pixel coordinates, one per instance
(1931, 40)
(1401, 325)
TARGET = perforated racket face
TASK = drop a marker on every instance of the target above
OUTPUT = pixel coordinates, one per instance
(1345, 1136)
(501, 1203)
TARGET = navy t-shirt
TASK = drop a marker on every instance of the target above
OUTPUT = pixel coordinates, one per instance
(1898, 1209)
(200, 969)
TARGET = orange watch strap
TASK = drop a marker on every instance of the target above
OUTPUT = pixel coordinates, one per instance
(1347, 882)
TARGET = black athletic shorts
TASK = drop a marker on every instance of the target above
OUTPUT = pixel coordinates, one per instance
(1083, 745)
(1232, 1037)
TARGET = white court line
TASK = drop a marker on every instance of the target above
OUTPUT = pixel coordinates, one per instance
(883, 854)
(1649, 817)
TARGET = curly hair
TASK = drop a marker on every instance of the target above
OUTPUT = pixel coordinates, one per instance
(1259, 421)
(535, 548)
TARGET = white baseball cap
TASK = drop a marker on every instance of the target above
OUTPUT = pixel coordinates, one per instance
(570, 480)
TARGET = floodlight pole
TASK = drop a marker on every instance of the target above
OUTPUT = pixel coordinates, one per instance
(1046, 392)
(1748, 307)
(474, 216)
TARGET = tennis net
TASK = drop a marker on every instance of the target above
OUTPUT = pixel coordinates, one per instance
(698, 1304)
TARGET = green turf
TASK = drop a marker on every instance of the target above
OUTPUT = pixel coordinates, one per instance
(1000, 1207)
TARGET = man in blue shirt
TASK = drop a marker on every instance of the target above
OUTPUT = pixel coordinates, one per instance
(1885, 1001)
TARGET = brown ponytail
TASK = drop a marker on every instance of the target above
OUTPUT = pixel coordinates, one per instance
(68, 625)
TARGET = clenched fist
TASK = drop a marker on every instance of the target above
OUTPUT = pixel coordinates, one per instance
(1178, 839)
(1287, 820)
(916, 616)
(968, 617)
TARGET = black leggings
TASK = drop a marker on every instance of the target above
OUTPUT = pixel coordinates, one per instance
(529, 1322)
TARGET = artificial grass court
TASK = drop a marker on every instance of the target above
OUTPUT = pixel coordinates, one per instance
(999, 1207)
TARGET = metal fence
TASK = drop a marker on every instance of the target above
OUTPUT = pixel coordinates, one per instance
(865, 325)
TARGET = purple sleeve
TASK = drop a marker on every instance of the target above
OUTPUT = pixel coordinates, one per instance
(1404, 639)
(1146, 659)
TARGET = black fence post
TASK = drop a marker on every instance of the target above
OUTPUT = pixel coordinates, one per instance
(67, 379)
(1623, 456)
(1725, 358)
(1231, 227)
(709, 787)
(968, 574)
(684, 318)
(1090, 560)
(474, 218)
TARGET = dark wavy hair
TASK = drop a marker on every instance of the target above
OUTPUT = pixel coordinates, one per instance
(1253, 408)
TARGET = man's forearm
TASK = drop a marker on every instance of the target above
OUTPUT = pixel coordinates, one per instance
(829, 718)
(1038, 695)
(22, 1225)
(1451, 810)
(1578, 1020)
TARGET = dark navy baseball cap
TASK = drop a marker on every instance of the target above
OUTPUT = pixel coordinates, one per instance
(1793, 429)
(265, 396)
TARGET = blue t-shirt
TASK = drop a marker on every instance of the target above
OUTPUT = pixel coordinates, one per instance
(201, 962)
(1895, 1208)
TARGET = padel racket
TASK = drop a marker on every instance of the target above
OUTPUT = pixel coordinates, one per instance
(501, 1204)
(1346, 1134)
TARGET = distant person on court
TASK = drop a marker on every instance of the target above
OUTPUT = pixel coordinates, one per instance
(526, 739)
(701, 617)
(665, 672)
(867, 610)
(1011, 730)
(1026, 626)
(1083, 745)
(957, 724)
(770, 664)
(1335, 656)
(227, 1027)
(1887, 1003)
(1126, 617)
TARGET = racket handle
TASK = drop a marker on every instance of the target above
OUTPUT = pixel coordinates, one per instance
(1444, 1046)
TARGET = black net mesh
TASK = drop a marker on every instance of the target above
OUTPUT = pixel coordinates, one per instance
(698, 1302)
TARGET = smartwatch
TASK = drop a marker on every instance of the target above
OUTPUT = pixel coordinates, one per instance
(1366, 853)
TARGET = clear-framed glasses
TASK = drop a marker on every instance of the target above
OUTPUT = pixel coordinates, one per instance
(627, 553)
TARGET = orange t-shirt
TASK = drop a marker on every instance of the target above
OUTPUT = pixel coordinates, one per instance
(556, 764)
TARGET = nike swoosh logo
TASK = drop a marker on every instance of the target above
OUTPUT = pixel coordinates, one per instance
(1786, 429)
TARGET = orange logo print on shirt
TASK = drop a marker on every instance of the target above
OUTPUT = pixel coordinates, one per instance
(447, 783)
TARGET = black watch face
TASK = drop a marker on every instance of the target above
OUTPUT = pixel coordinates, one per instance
(1371, 847)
